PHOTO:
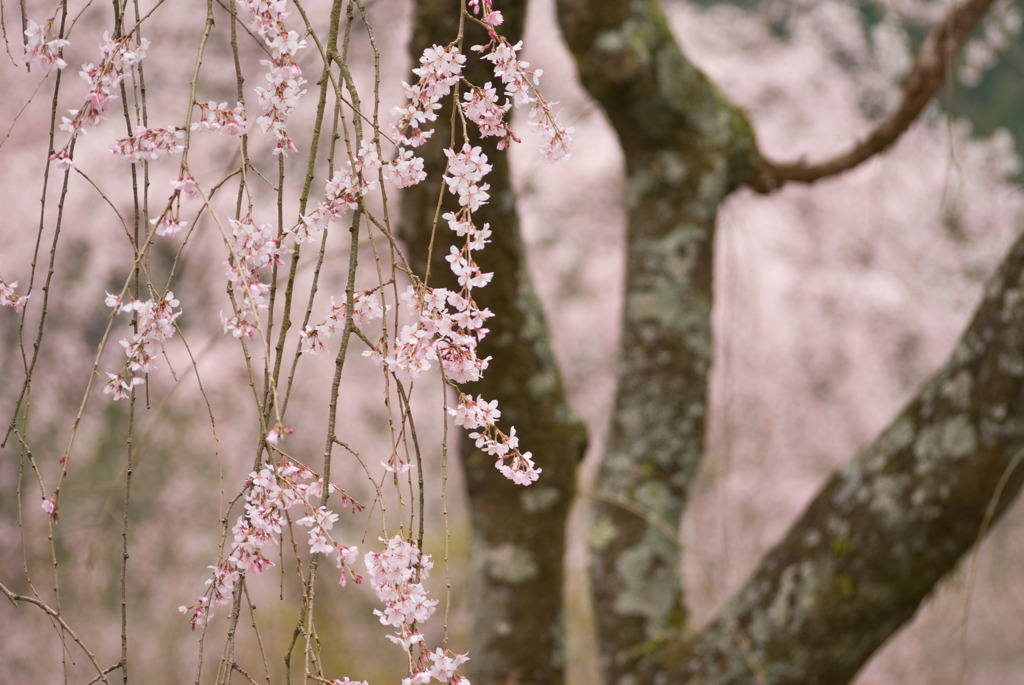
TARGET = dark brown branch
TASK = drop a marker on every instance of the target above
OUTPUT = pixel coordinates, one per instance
(927, 75)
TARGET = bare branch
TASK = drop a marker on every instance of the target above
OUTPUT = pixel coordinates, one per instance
(926, 77)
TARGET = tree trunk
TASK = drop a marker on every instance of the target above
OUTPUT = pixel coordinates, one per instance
(886, 527)
(882, 532)
(686, 148)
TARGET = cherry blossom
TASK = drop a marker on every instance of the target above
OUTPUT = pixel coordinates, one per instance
(186, 185)
(443, 667)
(49, 506)
(252, 248)
(465, 169)
(279, 99)
(490, 17)
(436, 337)
(480, 414)
(104, 80)
(366, 307)
(440, 69)
(405, 169)
(396, 576)
(41, 48)
(521, 84)
(221, 118)
(482, 108)
(167, 224)
(8, 298)
(148, 143)
(273, 491)
(556, 142)
(155, 324)
(343, 191)
(284, 77)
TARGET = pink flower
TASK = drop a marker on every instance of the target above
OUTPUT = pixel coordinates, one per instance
(440, 69)
(443, 666)
(220, 117)
(148, 143)
(482, 108)
(366, 308)
(252, 248)
(273, 490)
(11, 299)
(41, 48)
(168, 225)
(275, 434)
(155, 324)
(284, 77)
(405, 170)
(557, 141)
(465, 169)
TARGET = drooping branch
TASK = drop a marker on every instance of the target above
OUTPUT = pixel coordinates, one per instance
(888, 526)
(686, 148)
(927, 75)
(518, 545)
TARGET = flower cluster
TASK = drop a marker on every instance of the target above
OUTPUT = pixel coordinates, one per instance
(437, 336)
(449, 325)
(273, 491)
(466, 169)
(41, 48)
(252, 248)
(440, 69)
(168, 224)
(104, 80)
(148, 143)
(482, 108)
(221, 118)
(342, 192)
(155, 325)
(8, 298)
(284, 77)
(521, 85)
(365, 308)
(405, 169)
(480, 417)
(397, 576)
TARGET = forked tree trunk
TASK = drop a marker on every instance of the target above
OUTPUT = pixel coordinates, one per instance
(880, 535)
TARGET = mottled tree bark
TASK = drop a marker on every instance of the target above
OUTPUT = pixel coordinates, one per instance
(686, 149)
(886, 527)
(881, 534)
(884, 530)
(518, 543)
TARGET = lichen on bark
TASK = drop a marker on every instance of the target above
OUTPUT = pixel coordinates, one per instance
(686, 148)
(886, 527)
